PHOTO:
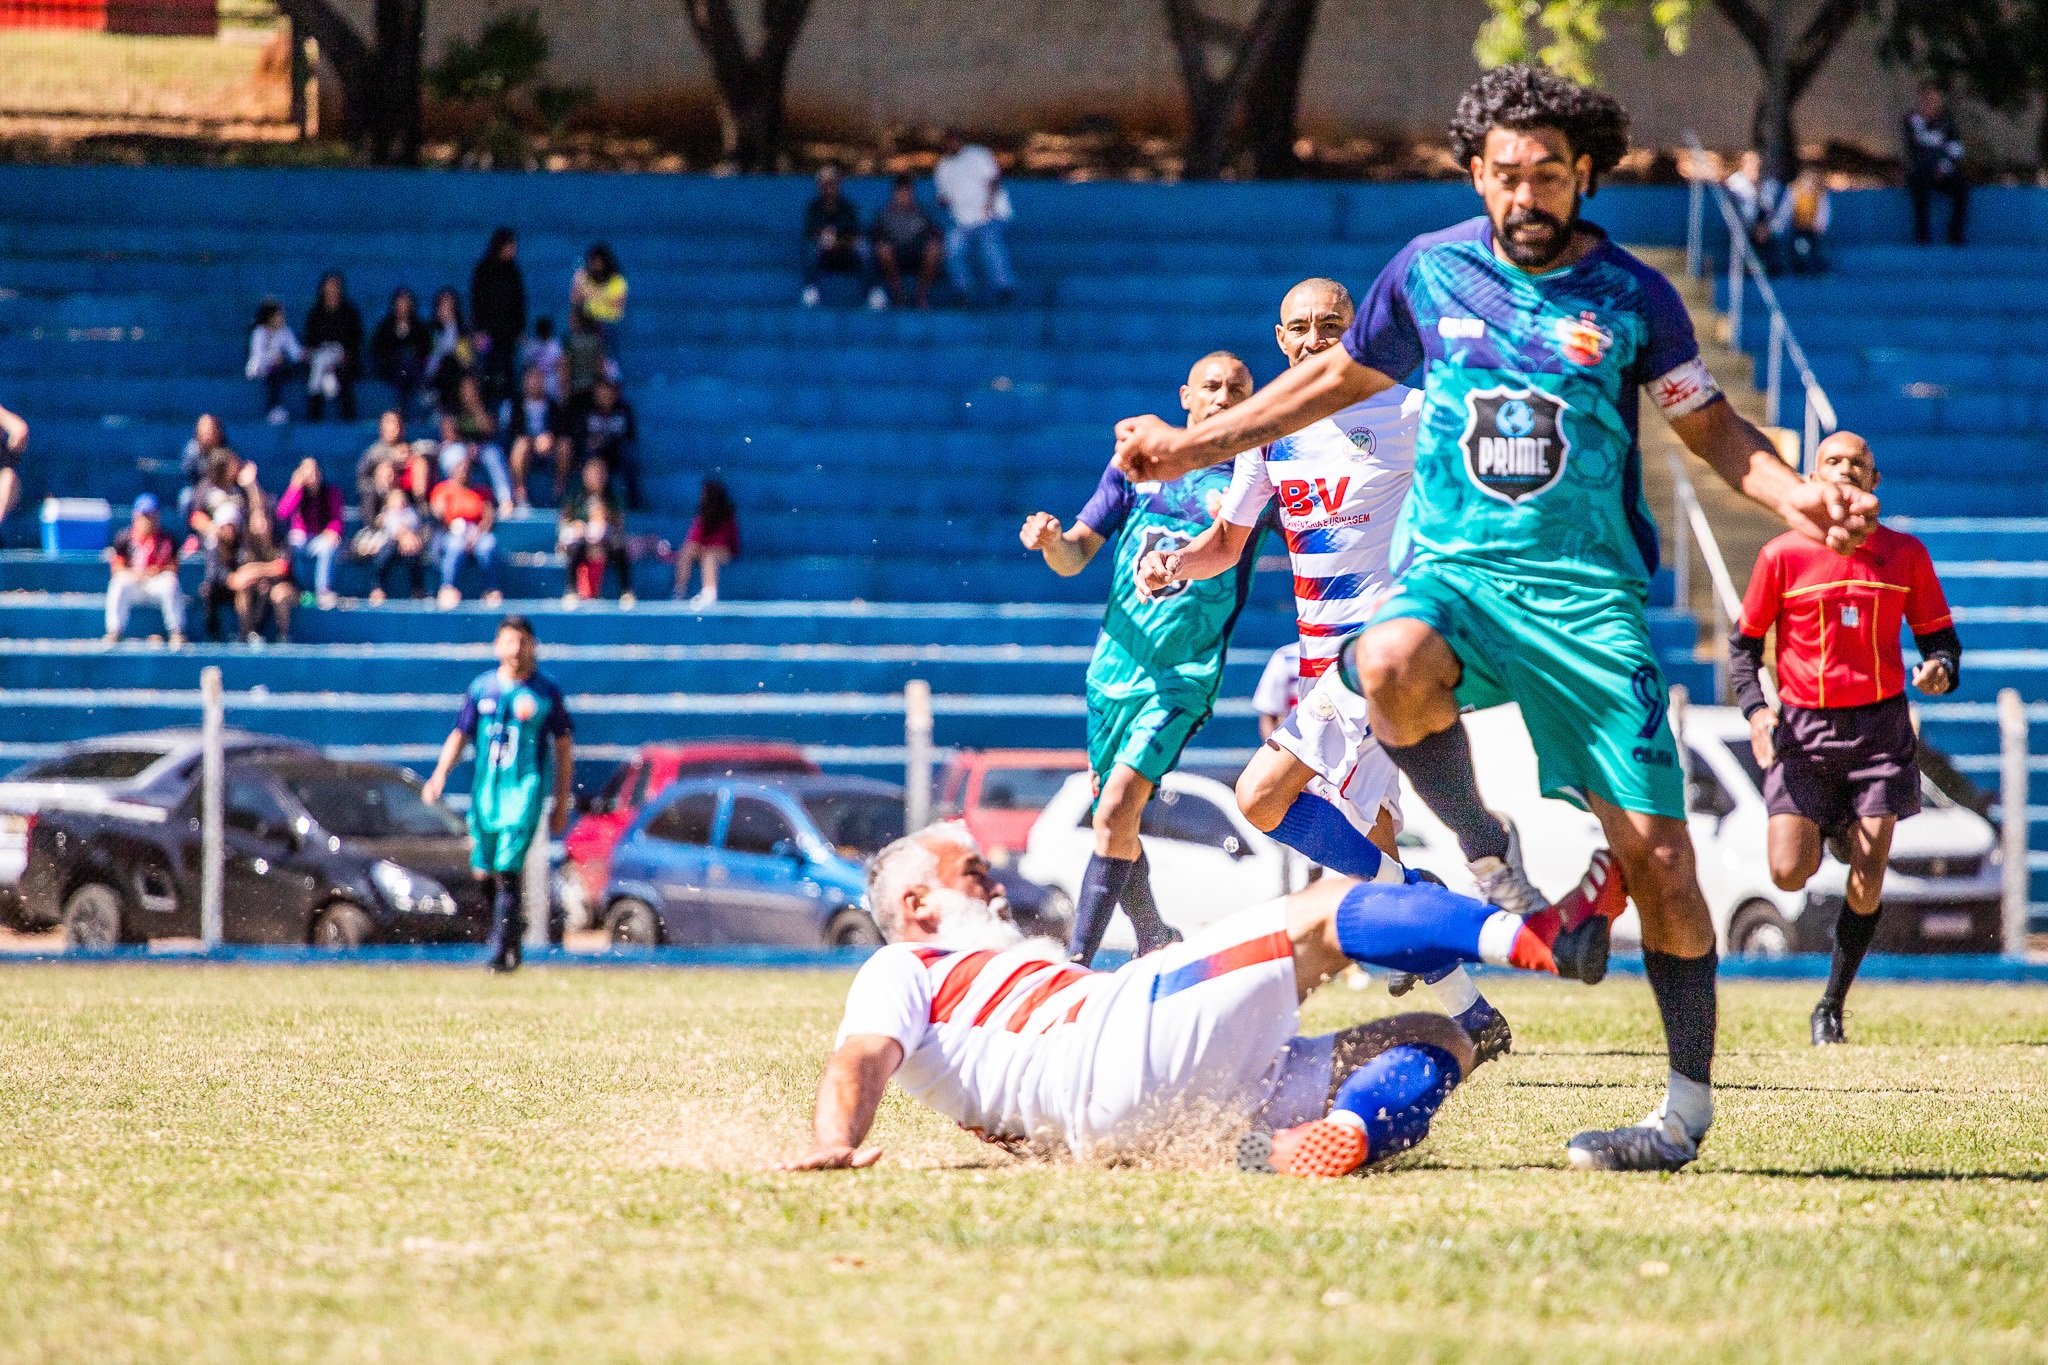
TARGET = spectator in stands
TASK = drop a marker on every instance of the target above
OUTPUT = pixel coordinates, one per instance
(905, 239)
(421, 472)
(604, 429)
(144, 560)
(334, 338)
(832, 240)
(274, 357)
(1934, 164)
(533, 426)
(584, 361)
(1755, 197)
(386, 455)
(209, 438)
(230, 482)
(399, 349)
(15, 432)
(465, 518)
(593, 536)
(970, 188)
(395, 537)
(310, 515)
(598, 291)
(456, 447)
(713, 542)
(452, 355)
(245, 569)
(497, 304)
(544, 353)
(1799, 228)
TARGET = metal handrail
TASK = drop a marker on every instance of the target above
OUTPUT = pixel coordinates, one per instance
(1743, 263)
(1690, 525)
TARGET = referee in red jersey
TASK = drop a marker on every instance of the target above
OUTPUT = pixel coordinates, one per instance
(1841, 759)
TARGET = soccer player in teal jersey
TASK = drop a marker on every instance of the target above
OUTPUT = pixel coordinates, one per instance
(1159, 661)
(1526, 549)
(522, 729)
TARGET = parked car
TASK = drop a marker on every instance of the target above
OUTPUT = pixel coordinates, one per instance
(1207, 859)
(317, 851)
(599, 824)
(713, 861)
(1941, 894)
(92, 775)
(999, 793)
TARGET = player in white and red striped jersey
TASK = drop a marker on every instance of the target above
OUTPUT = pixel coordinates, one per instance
(1013, 1042)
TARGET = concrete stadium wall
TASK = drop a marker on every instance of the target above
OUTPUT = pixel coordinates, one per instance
(1390, 64)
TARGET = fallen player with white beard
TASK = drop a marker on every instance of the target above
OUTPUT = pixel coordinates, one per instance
(1018, 1045)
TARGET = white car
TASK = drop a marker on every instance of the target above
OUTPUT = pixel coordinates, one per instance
(1206, 858)
(1940, 895)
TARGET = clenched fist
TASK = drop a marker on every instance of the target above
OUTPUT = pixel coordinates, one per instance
(1041, 531)
(1156, 572)
(1142, 445)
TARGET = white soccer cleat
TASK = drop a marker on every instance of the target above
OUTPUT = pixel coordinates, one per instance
(1504, 883)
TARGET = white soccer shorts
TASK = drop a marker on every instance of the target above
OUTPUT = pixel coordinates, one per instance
(1328, 732)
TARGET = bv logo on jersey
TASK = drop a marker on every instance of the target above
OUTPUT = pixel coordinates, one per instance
(1166, 541)
(1299, 497)
(1514, 442)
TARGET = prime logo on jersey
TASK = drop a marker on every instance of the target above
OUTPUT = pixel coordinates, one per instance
(1515, 444)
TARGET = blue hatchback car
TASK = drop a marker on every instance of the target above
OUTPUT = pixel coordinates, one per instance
(725, 860)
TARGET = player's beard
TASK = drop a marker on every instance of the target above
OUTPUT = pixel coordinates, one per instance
(1536, 253)
(965, 922)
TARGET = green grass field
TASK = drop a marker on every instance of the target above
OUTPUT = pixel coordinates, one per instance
(226, 1164)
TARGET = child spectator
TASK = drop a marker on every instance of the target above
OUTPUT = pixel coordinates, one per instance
(832, 240)
(310, 513)
(456, 446)
(592, 536)
(465, 518)
(245, 569)
(230, 483)
(399, 349)
(453, 355)
(209, 439)
(533, 425)
(397, 536)
(274, 357)
(544, 353)
(906, 239)
(144, 560)
(598, 291)
(497, 304)
(1800, 227)
(584, 362)
(388, 452)
(713, 542)
(604, 429)
(334, 334)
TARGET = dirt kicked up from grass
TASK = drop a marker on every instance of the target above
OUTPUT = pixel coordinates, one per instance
(233, 1164)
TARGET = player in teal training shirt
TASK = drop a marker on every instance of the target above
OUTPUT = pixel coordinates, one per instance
(522, 729)
(1158, 662)
(1526, 548)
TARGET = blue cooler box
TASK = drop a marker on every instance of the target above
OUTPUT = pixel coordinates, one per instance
(76, 524)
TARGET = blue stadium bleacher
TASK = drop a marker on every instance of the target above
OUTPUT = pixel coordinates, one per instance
(1939, 356)
(881, 461)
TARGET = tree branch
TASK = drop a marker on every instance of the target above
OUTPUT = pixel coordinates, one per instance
(1750, 25)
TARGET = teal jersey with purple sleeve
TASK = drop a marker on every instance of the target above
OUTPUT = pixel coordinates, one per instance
(1175, 642)
(515, 725)
(1528, 464)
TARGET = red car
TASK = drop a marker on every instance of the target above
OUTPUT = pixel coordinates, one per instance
(999, 793)
(642, 778)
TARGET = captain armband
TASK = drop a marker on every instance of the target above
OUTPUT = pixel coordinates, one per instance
(1686, 388)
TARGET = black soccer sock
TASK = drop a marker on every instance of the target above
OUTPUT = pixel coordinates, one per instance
(1684, 987)
(1102, 886)
(1144, 911)
(508, 922)
(1853, 933)
(1440, 766)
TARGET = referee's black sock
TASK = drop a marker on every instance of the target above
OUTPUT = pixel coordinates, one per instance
(1853, 933)
(1102, 886)
(1440, 767)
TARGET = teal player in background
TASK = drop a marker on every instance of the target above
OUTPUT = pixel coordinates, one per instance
(522, 730)
(1526, 549)
(1159, 661)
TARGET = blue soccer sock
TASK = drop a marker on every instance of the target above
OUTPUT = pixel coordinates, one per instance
(1395, 1094)
(1426, 928)
(1102, 886)
(1314, 827)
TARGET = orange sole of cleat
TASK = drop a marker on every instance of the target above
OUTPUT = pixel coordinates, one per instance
(1323, 1148)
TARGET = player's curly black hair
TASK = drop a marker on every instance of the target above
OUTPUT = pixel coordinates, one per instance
(1593, 122)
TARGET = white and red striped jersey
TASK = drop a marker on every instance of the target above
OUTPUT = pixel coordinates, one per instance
(1341, 483)
(984, 1032)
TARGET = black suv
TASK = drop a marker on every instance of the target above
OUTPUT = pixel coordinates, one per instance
(317, 851)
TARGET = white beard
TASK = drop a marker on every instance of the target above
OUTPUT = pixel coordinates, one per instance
(968, 923)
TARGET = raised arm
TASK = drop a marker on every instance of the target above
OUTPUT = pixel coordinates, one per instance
(855, 1079)
(1147, 448)
(1838, 516)
(1215, 551)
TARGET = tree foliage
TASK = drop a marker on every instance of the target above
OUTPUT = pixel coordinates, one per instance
(1564, 35)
